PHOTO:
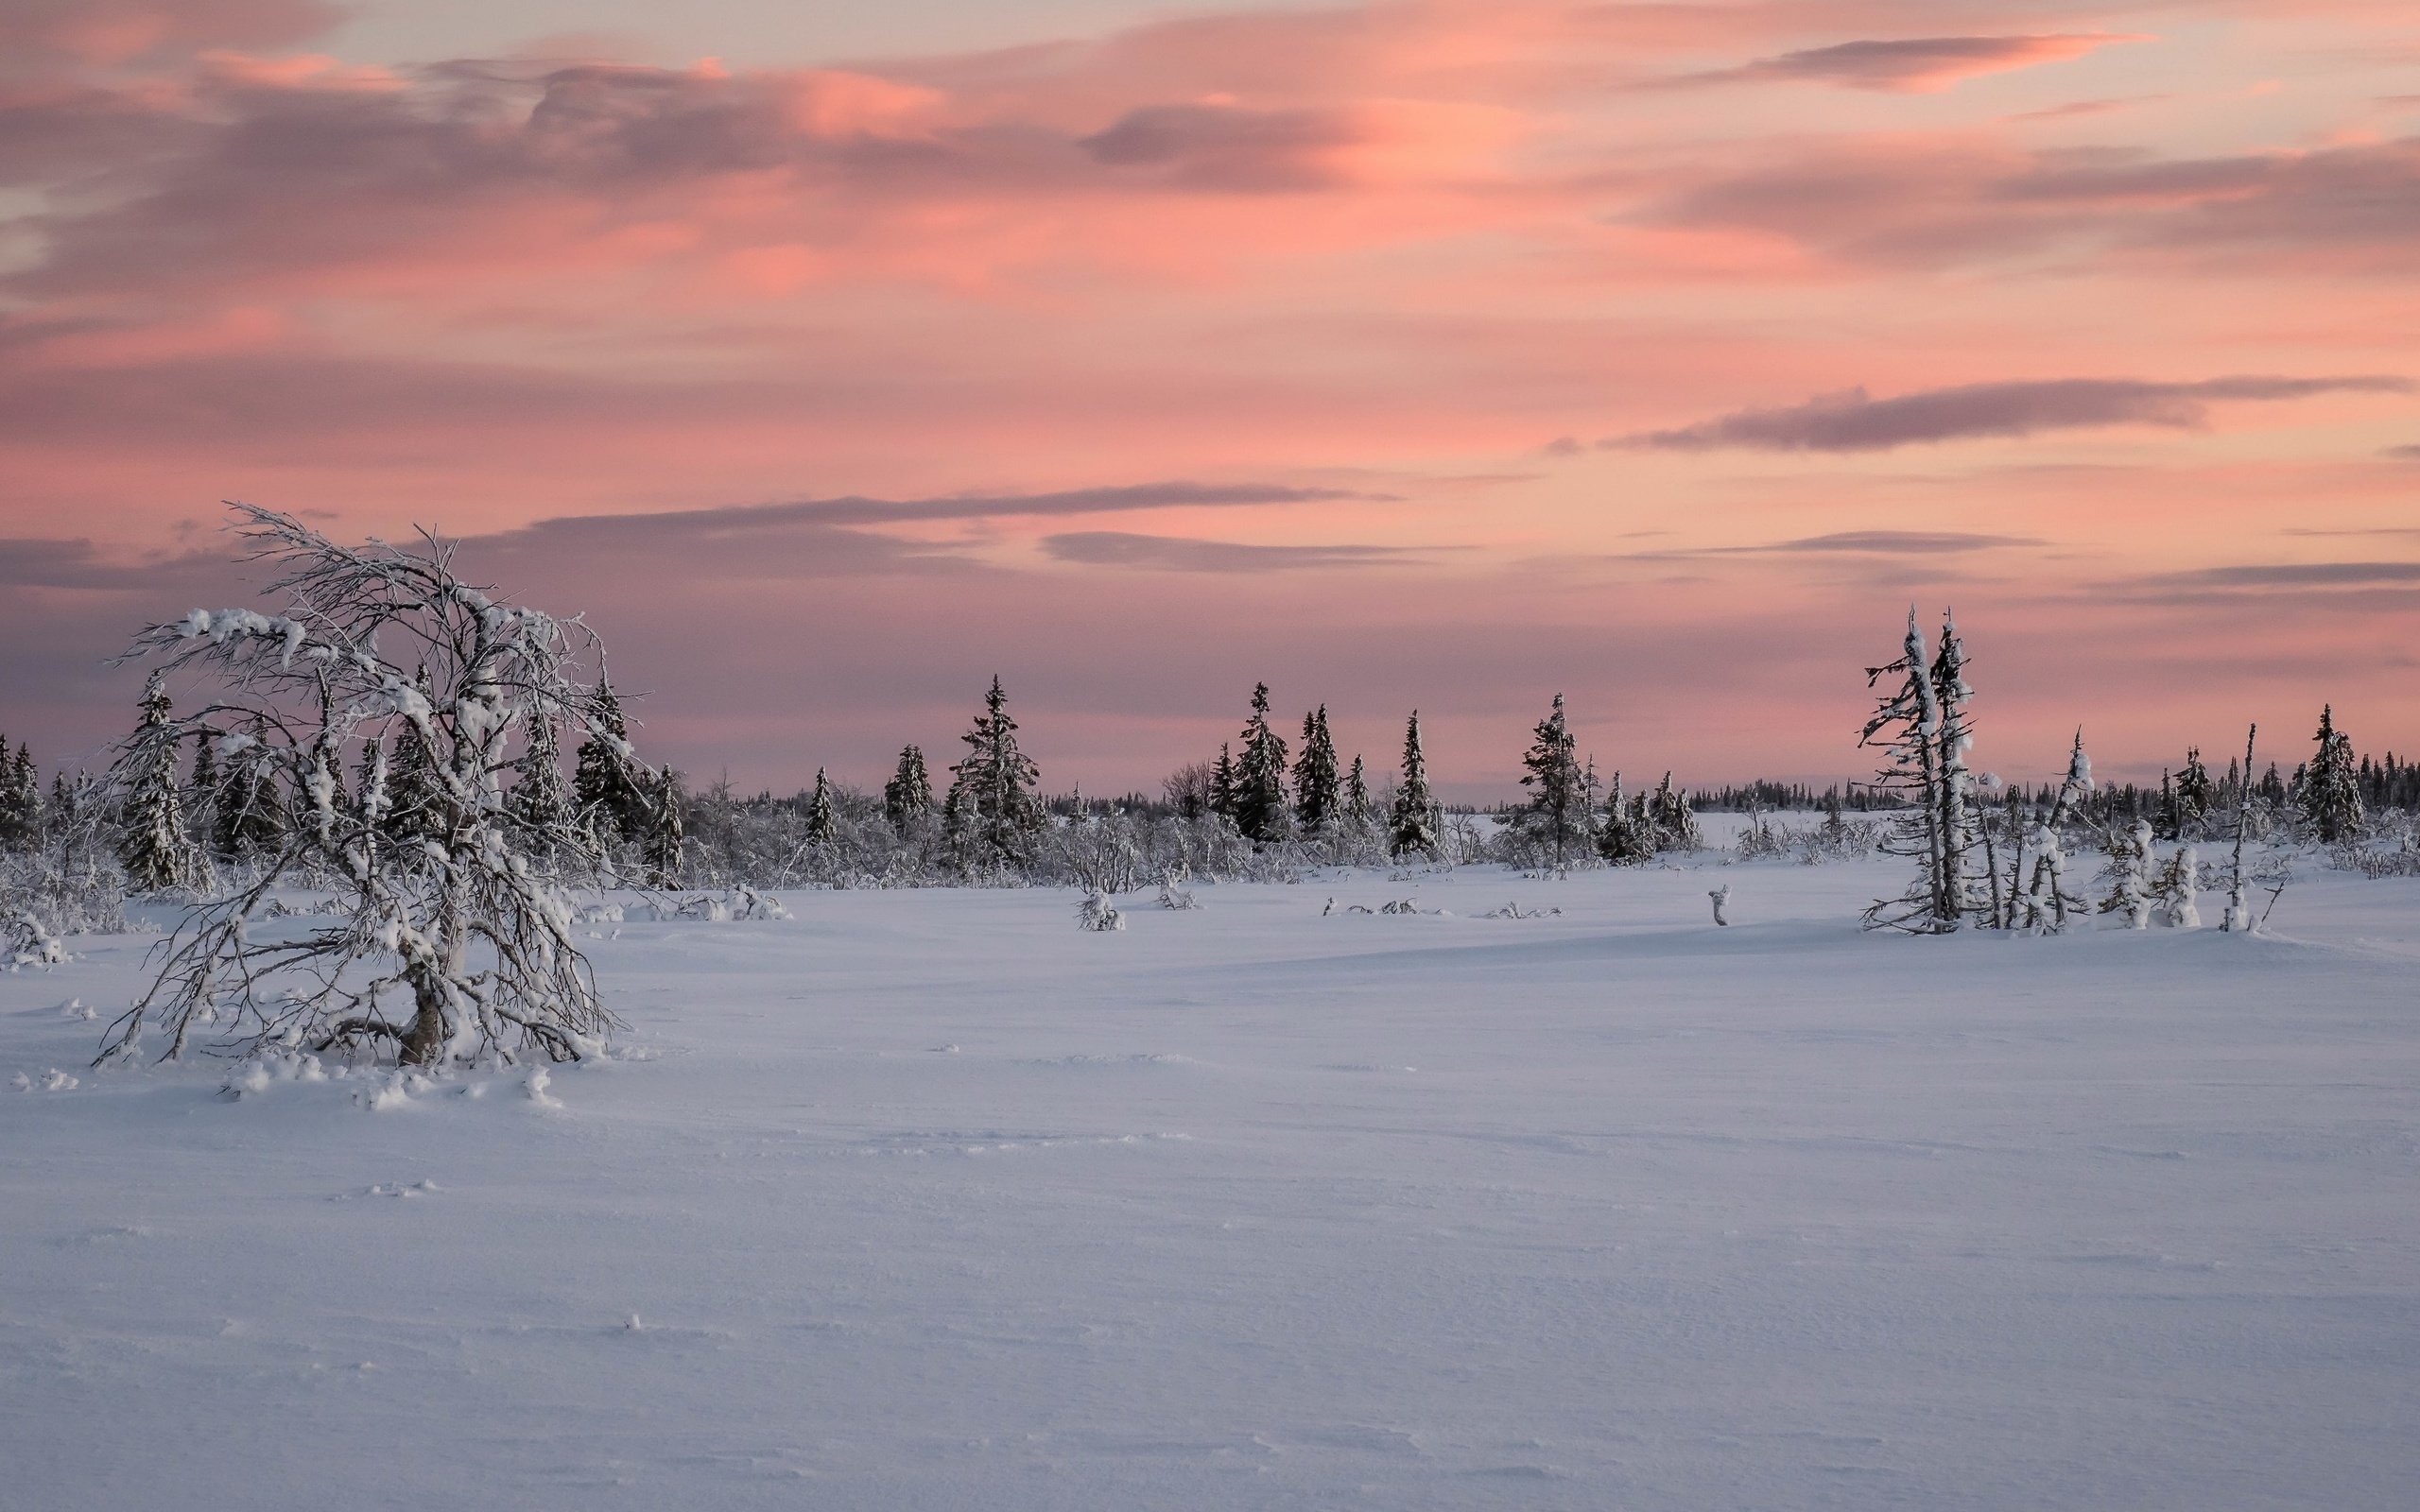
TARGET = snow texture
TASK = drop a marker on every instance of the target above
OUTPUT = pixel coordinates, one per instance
(1261, 1204)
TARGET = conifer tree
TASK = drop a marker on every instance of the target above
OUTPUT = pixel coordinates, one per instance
(1558, 818)
(908, 797)
(2195, 793)
(603, 785)
(2130, 867)
(156, 850)
(540, 803)
(1001, 818)
(1261, 810)
(1627, 836)
(2044, 898)
(1675, 826)
(1222, 783)
(414, 789)
(666, 832)
(1357, 815)
(2330, 792)
(201, 793)
(822, 824)
(1955, 738)
(1412, 829)
(20, 800)
(1318, 793)
(250, 815)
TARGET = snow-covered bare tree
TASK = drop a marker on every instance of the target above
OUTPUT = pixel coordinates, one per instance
(908, 797)
(1959, 815)
(467, 933)
(2330, 793)
(999, 818)
(1411, 827)
(2238, 917)
(1261, 810)
(154, 847)
(1318, 791)
(1558, 821)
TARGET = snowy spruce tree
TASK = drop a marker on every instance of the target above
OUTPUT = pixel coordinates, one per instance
(823, 821)
(1673, 824)
(158, 852)
(540, 803)
(991, 805)
(663, 836)
(2330, 791)
(1319, 795)
(2196, 794)
(1955, 798)
(2044, 901)
(456, 950)
(1558, 821)
(20, 800)
(249, 815)
(908, 797)
(1261, 814)
(1222, 783)
(1626, 835)
(2130, 875)
(605, 785)
(1412, 829)
(1358, 816)
(414, 791)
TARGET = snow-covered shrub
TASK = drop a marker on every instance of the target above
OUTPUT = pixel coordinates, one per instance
(1721, 900)
(26, 940)
(2129, 874)
(1174, 897)
(2174, 888)
(1098, 914)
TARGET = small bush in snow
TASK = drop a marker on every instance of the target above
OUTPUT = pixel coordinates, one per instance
(1098, 913)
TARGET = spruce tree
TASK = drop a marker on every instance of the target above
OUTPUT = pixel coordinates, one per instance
(2195, 793)
(611, 808)
(1002, 818)
(1955, 737)
(154, 847)
(1222, 783)
(20, 800)
(539, 802)
(1675, 825)
(2330, 792)
(1319, 796)
(822, 824)
(908, 797)
(1261, 810)
(250, 814)
(1355, 798)
(1412, 829)
(1910, 719)
(414, 789)
(1627, 835)
(666, 832)
(201, 793)
(1557, 819)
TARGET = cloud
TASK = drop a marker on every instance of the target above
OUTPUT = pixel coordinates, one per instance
(2294, 574)
(1894, 543)
(2404, 453)
(40, 562)
(1225, 146)
(1854, 421)
(121, 31)
(1116, 548)
(1910, 64)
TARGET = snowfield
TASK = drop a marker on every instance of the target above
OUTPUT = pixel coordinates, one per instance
(928, 1199)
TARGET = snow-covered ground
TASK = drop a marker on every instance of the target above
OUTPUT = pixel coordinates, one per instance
(929, 1200)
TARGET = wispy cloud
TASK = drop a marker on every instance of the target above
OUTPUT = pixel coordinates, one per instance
(1116, 548)
(1856, 422)
(1909, 64)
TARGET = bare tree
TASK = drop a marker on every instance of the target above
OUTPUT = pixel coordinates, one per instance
(465, 924)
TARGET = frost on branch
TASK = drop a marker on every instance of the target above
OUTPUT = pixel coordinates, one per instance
(450, 938)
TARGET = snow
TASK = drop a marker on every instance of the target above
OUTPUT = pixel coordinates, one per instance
(930, 1199)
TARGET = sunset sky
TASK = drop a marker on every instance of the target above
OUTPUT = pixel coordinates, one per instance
(831, 358)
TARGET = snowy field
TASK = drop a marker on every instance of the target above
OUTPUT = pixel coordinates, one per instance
(928, 1200)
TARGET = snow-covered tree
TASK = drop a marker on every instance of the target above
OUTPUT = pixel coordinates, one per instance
(202, 792)
(823, 821)
(1955, 799)
(2044, 902)
(1558, 819)
(1358, 816)
(2130, 871)
(2174, 886)
(665, 836)
(1001, 818)
(540, 802)
(154, 847)
(1412, 829)
(2330, 792)
(1676, 823)
(249, 815)
(2238, 917)
(1317, 787)
(1626, 835)
(1907, 724)
(1262, 812)
(908, 797)
(415, 793)
(470, 930)
(1222, 782)
(605, 785)
(20, 800)
(2196, 794)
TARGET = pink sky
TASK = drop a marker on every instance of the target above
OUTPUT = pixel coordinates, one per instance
(1439, 354)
